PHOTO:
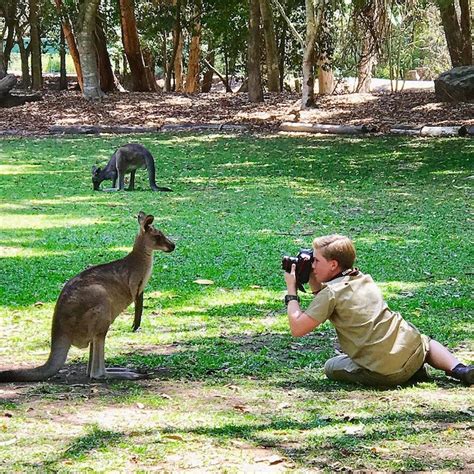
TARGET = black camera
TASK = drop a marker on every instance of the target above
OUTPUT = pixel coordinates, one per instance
(303, 261)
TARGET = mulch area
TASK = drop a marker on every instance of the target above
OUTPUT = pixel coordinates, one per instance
(382, 110)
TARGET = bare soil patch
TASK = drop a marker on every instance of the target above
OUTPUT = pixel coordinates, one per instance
(380, 109)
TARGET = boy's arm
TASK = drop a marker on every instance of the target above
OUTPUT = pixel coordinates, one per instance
(300, 323)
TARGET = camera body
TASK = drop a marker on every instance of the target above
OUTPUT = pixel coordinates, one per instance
(303, 261)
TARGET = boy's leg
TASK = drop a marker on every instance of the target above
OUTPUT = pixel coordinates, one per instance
(343, 369)
(441, 358)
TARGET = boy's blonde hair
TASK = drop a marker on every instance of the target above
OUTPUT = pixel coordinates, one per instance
(336, 247)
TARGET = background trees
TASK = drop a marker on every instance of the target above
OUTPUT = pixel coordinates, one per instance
(266, 45)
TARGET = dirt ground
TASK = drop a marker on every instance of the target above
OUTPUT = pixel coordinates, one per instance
(381, 109)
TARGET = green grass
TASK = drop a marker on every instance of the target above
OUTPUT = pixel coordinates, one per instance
(231, 387)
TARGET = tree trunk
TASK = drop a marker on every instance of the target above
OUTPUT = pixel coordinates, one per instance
(466, 39)
(70, 40)
(106, 74)
(254, 54)
(192, 77)
(207, 77)
(273, 73)
(178, 60)
(169, 68)
(86, 46)
(282, 53)
(3, 68)
(366, 63)
(36, 73)
(307, 99)
(24, 55)
(149, 61)
(131, 46)
(62, 62)
(325, 76)
(452, 31)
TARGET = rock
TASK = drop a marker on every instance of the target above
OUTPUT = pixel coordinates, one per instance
(455, 85)
(412, 75)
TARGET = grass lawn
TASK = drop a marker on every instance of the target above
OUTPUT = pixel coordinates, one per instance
(230, 390)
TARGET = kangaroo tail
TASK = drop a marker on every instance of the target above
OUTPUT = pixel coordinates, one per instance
(150, 164)
(59, 348)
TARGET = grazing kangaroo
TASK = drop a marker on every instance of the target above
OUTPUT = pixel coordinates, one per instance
(127, 159)
(89, 303)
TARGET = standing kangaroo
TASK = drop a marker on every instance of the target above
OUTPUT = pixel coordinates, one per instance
(127, 159)
(89, 303)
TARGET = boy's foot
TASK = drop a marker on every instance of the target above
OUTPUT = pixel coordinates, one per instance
(463, 373)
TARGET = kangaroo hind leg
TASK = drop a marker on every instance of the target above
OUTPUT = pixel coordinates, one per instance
(96, 368)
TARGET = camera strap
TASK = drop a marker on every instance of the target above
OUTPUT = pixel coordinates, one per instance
(348, 272)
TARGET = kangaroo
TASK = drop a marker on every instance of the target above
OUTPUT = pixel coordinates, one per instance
(91, 301)
(128, 158)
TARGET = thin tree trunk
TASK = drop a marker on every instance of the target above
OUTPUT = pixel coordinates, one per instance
(307, 99)
(3, 68)
(131, 46)
(192, 76)
(282, 53)
(24, 55)
(273, 73)
(169, 68)
(253, 62)
(86, 47)
(207, 77)
(106, 74)
(178, 60)
(466, 38)
(164, 54)
(219, 75)
(62, 62)
(70, 40)
(36, 73)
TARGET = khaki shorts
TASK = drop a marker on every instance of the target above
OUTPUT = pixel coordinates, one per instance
(344, 369)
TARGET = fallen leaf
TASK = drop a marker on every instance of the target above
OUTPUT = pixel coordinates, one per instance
(354, 430)
(242, 408)
(140, 405)
(203, 281)
(38, 304)
(378, 450)
(255, 286)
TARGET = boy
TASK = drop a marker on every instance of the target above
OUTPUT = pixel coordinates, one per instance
(380, 347)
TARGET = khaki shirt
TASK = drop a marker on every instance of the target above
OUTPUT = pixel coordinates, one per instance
(372, 335)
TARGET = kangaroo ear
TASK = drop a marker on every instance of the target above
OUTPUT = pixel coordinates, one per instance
(145, 220)
(141, 217)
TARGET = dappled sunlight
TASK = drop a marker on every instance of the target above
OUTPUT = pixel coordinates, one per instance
(394, 289)
(20, 169)
(45, 221)
(7, 251)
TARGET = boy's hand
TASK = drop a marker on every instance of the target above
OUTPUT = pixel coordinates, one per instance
(290, 279)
